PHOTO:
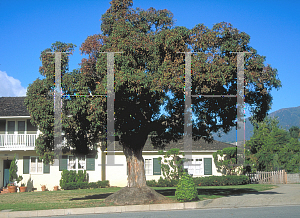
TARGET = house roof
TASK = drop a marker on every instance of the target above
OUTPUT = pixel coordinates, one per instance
(200, 145)
(13, 106)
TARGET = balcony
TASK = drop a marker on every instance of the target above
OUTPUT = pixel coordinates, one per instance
(17, 141)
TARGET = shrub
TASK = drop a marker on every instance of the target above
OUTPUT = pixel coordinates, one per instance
(162, 183)
(186, 189)
(151, 183)
(85, 185)
(221, 180)
(72, 177)
(103, 184)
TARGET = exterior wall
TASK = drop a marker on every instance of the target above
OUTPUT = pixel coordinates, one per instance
(117, 174)
(49, 179)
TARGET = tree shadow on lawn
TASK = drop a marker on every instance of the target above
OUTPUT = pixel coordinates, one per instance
(220, 192)
(210, 191)
(88, 197)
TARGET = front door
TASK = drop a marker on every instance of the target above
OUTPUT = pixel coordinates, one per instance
(6, 166)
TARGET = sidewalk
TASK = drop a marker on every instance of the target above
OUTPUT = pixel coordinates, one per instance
(283, 195)
(288, 194)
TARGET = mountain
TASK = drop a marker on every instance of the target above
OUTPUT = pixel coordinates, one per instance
(287, 118)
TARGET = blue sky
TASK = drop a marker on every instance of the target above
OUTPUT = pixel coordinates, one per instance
(29, 27)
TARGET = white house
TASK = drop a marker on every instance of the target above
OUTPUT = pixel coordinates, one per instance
(18, 136)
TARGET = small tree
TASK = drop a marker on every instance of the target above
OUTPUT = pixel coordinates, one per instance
(172, 164)
(13, 169)
(226, 164)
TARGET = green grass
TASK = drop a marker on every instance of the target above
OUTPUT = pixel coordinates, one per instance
(94, 197)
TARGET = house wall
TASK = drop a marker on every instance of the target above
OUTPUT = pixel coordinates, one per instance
(117, 174)
(49, 179)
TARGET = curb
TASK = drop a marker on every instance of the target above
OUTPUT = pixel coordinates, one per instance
(111, 209)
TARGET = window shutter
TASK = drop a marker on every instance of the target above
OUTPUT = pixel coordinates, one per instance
(2, 126)
(156, 167)
(46, 168)
(63, 162)
(90, 162)
(207, 166)
(26, 164)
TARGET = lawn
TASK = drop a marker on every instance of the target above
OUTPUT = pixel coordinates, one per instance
(94, 197)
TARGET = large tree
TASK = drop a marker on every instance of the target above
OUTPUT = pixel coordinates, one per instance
(150, 74)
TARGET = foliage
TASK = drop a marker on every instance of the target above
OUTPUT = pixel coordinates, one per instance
(172, 166)
(203, 181)
(225, 160)
(271, 148)
(294, 132)
(162, 182)
(85, 185)
(221, 180)
(72, 177)
(186, 189)
(13, 169)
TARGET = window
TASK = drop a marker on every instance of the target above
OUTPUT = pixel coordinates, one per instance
(77, 163)
(81, 163)
(72, 163)
(21, 127)
(11, 127)
(36, 165)
(152, 167)
(194, 166)
(148, 166)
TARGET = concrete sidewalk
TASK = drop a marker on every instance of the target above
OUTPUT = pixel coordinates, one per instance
(288, 194)
(283, 195)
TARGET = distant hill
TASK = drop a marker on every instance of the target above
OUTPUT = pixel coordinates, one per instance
(287, 118)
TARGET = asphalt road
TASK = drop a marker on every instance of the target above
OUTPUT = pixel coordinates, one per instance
(265, 212)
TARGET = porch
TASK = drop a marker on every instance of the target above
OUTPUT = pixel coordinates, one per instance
(17, 141)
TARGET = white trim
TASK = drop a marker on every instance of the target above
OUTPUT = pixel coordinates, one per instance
(150, 173)
(36, 166)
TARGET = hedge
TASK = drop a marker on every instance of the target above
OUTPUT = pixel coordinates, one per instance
(85, 185)
(221, 180)
(203, 181)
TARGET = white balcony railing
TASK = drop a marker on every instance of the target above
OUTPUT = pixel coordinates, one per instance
(15, 141)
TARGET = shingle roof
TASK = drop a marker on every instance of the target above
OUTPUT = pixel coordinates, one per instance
(13, 106)
(200, 145)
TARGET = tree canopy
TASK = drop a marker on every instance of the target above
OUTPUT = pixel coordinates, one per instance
(149, 74)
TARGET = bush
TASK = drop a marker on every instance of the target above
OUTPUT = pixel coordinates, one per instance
(162, 183)
(221, 180)
(103, 184)
(72, 177)
(151, 183)
(85, 185)
(186, 189)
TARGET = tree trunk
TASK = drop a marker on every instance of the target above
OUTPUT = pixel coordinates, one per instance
(135, 167)
(136, 192)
